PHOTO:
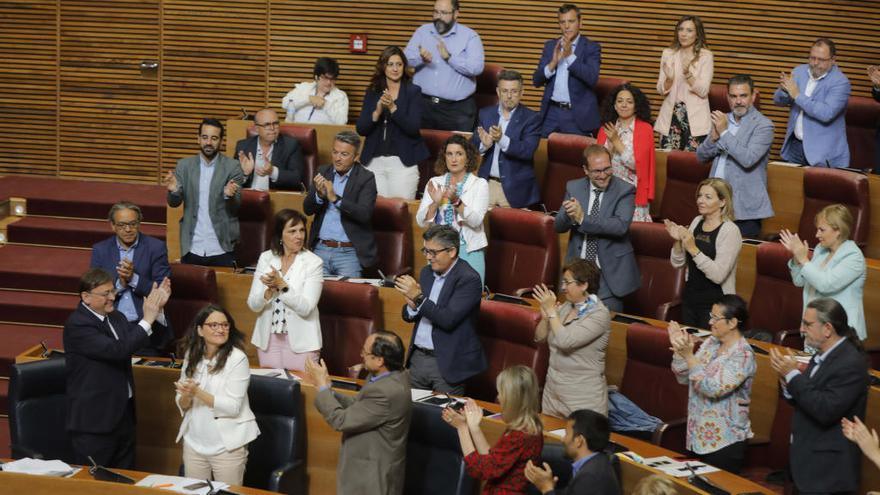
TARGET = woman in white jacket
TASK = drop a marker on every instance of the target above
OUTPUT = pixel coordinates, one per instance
(218, 423)
(285, 293)
(457, 197)
(318, 101)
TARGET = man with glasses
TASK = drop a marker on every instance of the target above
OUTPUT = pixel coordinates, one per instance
(443, 306)
(136, 262)
(270, 160)
(597, 211)
(817, 93)
(99, 342)
(447, 57)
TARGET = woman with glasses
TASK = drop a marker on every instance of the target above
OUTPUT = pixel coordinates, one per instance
(285, 291)
(458, 198)
(719, 378)
(390, 121)
(710, 250)
(318, 101)
(218, 423)
(577, 332)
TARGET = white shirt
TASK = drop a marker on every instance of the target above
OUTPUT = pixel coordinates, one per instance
(808, 91)
(261, 182)
(203, 436)
(501, 145)
(732, 128)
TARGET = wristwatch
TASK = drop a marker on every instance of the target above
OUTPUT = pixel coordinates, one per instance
(419, 299)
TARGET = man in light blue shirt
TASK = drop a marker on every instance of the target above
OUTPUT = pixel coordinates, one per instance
(447, 57)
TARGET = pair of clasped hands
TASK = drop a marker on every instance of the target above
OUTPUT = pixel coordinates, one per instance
(169, 180)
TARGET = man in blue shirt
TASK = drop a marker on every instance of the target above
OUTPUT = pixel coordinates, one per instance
(447, 57)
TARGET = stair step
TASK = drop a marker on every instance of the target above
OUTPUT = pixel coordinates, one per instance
(69, 232)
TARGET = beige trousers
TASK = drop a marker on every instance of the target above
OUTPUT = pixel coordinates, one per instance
(227, 467)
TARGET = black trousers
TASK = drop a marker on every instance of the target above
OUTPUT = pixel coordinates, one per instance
(225, 259)
(449, 115)
(114, 449)
(730, 458)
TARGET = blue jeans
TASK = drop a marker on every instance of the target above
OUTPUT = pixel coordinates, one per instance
(476, 259)
(341, 261)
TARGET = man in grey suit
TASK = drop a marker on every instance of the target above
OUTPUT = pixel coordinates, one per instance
(740, 143)
(597, 211)
(209, 186)
(374, 423)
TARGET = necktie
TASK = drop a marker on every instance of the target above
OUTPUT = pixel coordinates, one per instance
(592, 243)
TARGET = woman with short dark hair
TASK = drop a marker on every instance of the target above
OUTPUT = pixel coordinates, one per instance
(318, 101)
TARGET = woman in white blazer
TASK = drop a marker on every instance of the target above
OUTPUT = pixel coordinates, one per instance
(285, 293)
(218, 423)
(457, 197)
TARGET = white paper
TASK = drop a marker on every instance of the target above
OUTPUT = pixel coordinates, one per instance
(679, 469)
(372, 281)
(39, 467)
(178, 483)
(560, 433)
(419, 394)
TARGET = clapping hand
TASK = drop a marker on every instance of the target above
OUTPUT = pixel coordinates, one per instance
(125, 270)
(247, 162)
(231, 188)
(786, 82)
(317, 370)
(546, 298)
(473, 413)
(614, 138)
(783, 364)
(273, 280)
(495, 133)
(675, 230)
(798, 248)
(436, 192)
(156, 299)
(858, 433)
(410, 289)
(316, 101)
(874, 75)
(541, 477)
(719, 123)
(387, 101)
(681, 342)
(441, 47)
(454, 418)
(187, 388)
(425, 54)
(574, 210)
(169, 180)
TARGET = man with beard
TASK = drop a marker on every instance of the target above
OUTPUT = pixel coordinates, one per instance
(209, 186)
(447, 57)
(817, 93)
(740, 145)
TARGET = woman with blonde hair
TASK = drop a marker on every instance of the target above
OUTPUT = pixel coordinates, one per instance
(656, 484)
(502, 466)
(709, 248)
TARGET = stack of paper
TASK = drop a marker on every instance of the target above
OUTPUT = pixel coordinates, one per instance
(679, 469)
(39, 467)
(180, 484)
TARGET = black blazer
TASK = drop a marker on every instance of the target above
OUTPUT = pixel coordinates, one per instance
(595, 477)
(356, 208)
(456, 344)
(822, 459)
(98, 369)
(404, 126)
(286, 155)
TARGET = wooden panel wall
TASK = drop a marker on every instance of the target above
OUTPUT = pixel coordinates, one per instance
(216, 57)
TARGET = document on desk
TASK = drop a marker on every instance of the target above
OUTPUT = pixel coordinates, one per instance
(275, 373)
(419, 394)
(679, 469)
(180, 484)
(40, 467)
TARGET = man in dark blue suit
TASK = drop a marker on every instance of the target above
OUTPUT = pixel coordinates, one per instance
(507, 136)
(569, 70)
(444, 305)
(136, 262)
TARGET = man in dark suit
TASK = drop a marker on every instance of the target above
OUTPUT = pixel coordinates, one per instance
(507, 136)
(586, 437)
(374, 423)
(342, 198)
(270, 160)
(597, 211)
(137, 261)
(99, 342)
(833, 386)
(569, 70)
(444, 305)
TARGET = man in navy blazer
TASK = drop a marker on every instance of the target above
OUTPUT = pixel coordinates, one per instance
(601, 236)
(136, 261)
(443, 305)
(817, 93)
(99, 342)
(283, 169)
(569, 70)
(507, 136)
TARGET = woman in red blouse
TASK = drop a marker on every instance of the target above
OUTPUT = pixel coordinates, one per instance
(502, 466)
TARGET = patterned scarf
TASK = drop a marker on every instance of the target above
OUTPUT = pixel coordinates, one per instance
(447, 211)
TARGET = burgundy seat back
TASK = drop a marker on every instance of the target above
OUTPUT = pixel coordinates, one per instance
(862, 120)
(255, 223)
(647, 378)
(434, 140)
(825, 186)
(523, 250)
(776, 303)
(308, 142)
(565, 162)
(391, 227)
(487, 83)
(718, 98)
(349, 313)
(683, 173)
(604, 86)
(507, 332)
(193, 287)
(662, 284)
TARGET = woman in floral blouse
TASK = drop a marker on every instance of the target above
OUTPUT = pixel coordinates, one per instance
(502, 466)
(719, 377)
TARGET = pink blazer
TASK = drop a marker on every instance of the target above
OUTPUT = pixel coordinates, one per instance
(696, 97)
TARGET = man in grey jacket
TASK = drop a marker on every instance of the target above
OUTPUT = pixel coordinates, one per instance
(740, 146)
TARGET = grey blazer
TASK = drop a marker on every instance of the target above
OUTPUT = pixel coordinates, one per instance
(746, 167)
(224, 212)
(374, 426)
(611, 227)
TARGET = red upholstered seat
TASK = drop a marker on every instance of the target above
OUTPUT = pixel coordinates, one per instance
(434, 140)
(523, 250)
(487, 83)
(683, 173)
(659, 295)
(862, 120)
(604, 86)
(15, 339)
(565, 162)
(255, 222)
(393, 232)
(825, 186)
(507, 332)
(5, 439)
(718, 98)
(308, 142)
(69, 232)
(762, 459)
(649, 382)
(776, 303)
(349, 312)
(192, 288)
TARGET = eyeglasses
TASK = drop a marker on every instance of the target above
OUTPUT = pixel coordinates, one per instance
(214, 325)
(568, 282)
(713, 318)
(820, 60)
(269, 124)
(600, 171)
(433, 252)
(325, 77)
(108, 293)
(127, 225)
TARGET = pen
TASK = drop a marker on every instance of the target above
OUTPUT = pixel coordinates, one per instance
(163, 485)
